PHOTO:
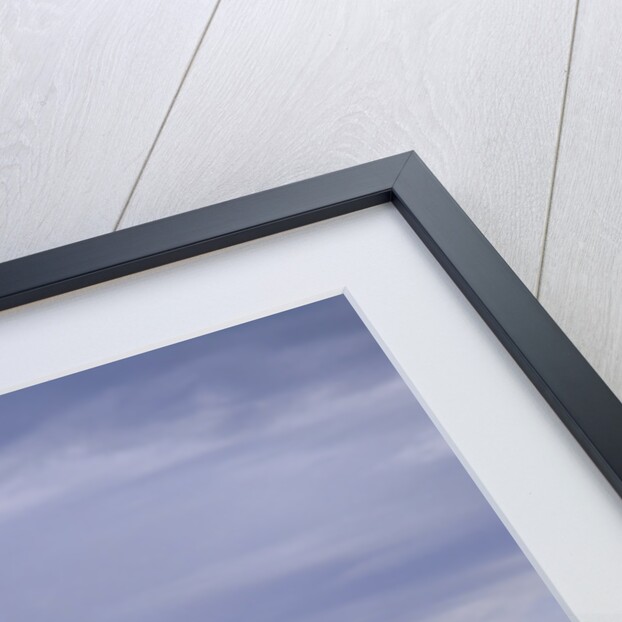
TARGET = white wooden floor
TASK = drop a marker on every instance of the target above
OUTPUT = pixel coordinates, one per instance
(115, 113)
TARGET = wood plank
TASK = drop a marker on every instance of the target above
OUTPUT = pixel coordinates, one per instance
(282, 91)
(582, 276)
(84, 87)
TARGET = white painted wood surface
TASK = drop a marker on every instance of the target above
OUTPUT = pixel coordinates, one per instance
(282, 91)
(582, 272)
(84, 87)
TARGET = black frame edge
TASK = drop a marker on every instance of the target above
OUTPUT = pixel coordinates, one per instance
(113, 255)
(572, 388)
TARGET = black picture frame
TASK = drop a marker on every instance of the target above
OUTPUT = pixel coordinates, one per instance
(572, 388)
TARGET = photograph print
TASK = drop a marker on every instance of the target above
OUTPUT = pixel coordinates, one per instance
(276, 471)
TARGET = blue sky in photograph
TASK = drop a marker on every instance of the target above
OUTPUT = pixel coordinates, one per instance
(276, 471)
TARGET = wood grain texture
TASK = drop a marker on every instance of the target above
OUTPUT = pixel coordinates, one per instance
(84, 87)
(582, 275)
(282, 91)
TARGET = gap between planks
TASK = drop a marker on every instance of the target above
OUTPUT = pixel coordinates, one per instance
(167, 114)
(547, 218)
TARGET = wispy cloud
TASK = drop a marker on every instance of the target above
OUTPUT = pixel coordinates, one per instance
(277, 471)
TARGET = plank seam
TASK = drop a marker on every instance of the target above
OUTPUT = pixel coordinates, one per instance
(547, 218)
(166, 115)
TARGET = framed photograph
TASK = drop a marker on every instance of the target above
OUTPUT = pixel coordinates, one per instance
(330, 401)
